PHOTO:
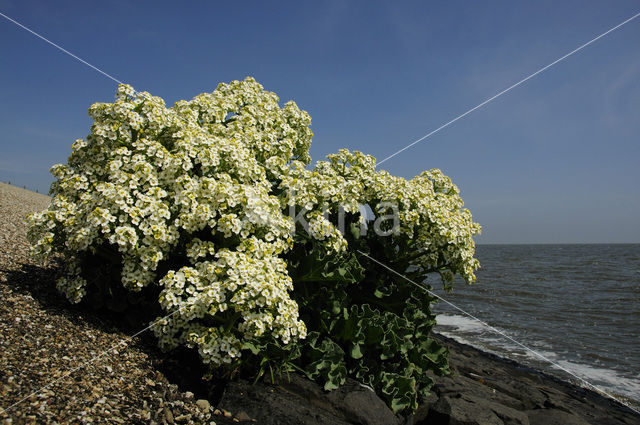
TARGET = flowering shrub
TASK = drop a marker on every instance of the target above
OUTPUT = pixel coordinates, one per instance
(255, 258)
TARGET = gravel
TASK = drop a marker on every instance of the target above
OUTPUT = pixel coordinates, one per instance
(64, 364)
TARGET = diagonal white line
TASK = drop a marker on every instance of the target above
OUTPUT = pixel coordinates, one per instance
(498, 331)
(508, 89)
(88, 362)
(60, 48)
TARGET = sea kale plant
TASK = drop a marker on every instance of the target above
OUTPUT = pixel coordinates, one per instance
(250, 255)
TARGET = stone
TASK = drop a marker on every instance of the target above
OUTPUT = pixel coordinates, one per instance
(168, 415)
(359, 404)
(469, 410)
(203, 404)
(554, 417)
(296, 399)
(242, 416)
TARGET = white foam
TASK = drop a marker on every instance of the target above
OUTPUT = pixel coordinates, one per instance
(460, 323)
(607, 378)
(547, 354)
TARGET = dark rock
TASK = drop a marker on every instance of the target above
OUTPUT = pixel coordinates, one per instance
(422, 412)
(242, 416)
(489, 390)
(485, 388)
(271, 405)
(360, 405)
(296, 400)
(469, 410)
(554, 417)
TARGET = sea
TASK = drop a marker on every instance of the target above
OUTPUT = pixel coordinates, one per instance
(576, 309)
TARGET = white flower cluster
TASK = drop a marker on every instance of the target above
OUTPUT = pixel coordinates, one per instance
(429, 209)
(151, 182)
(251, 282)
(204, 188)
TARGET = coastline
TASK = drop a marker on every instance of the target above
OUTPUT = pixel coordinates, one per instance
(43, 338)
(545, 398)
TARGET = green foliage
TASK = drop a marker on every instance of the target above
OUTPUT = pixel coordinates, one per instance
(366, 324)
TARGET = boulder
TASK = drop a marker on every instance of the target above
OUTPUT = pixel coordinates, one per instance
(469, 410)
(554, 417)
(298, 400)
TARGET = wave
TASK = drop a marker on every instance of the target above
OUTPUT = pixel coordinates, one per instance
(461, 323)
(604, 378)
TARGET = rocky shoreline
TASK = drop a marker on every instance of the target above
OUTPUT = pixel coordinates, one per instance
(489, 386)
(483, 389)
(95, 374)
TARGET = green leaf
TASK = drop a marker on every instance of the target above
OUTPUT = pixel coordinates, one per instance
(247, 345)
(321, 267)
(400, 392)
(356, 352)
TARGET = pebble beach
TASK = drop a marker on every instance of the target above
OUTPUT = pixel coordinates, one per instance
(60, 364)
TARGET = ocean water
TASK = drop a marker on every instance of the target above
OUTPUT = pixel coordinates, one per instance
(576, 305)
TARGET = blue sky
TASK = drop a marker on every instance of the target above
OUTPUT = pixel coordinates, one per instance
(552, 161)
